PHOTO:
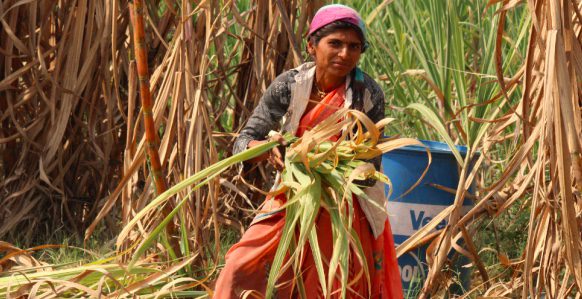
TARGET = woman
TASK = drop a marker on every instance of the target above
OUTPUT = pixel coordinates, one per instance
(299, 99)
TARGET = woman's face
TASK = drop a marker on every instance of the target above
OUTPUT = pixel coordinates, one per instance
(337, 53)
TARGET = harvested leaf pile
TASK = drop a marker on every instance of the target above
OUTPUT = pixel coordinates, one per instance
(321, 174)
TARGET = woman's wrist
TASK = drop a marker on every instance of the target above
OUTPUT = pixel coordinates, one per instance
(254, 143)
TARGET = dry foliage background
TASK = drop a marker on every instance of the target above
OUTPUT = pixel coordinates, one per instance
(73, 145)
(72, 136)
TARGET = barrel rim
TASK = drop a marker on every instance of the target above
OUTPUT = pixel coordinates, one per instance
(434, 147)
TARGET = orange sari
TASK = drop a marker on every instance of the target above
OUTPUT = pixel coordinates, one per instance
(248, 261)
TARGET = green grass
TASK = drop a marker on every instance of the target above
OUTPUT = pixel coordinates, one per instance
(72, 253)
(70, 250)
(503, 235)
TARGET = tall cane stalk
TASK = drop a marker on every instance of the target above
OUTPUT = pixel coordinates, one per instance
(152, 139)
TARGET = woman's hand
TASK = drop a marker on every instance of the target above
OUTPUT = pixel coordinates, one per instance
(274, 156)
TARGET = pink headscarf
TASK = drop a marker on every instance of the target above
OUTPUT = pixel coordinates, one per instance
(336, 12)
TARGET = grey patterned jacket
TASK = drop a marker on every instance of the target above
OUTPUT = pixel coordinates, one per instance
(283, 104)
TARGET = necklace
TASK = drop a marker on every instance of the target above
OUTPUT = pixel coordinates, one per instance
(320, 94)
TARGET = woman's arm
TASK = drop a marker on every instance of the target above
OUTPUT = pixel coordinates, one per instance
(375, 114)
(266, 116)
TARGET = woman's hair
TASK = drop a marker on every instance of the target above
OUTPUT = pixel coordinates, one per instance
(332, 27)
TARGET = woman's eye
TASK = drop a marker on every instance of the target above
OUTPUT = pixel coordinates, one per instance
(335, 43)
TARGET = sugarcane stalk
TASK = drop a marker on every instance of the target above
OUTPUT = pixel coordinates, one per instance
(145, 96)
(152, 139)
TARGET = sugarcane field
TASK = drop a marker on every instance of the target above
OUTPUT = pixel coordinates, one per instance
(291, 149)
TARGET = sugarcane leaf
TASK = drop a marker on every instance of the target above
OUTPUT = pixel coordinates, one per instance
(361, 255)
(297, 255)
(291, 218)
(383, 123)
(344, 251)
(335, 257)
(432, 119)
(152, 237)
(208, 173)
(310, 209)
(372, 130)
(318, 260)
(392, 144)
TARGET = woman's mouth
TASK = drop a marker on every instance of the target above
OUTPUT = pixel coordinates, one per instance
(339, 64)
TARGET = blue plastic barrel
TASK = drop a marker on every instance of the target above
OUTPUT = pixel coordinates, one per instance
(408, 213)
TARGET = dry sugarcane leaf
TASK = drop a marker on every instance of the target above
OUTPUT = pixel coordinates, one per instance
(27, 207)
(145, 283)
(67, 284)
(113, 197)
(297, 57)
(524, 184)
(512, 166)
(70, 80)
(372, 132)
(24, 258)
(6, 83)
(571, 229)
(376, 11)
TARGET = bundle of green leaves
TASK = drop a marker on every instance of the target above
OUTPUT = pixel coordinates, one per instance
(322, 174)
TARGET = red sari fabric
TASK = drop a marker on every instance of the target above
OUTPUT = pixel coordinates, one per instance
(248, 262)
(324, 109)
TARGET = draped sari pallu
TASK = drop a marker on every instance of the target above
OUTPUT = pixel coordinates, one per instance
(248, 262)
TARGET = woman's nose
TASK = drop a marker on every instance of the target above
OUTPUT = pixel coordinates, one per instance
(344, 52)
